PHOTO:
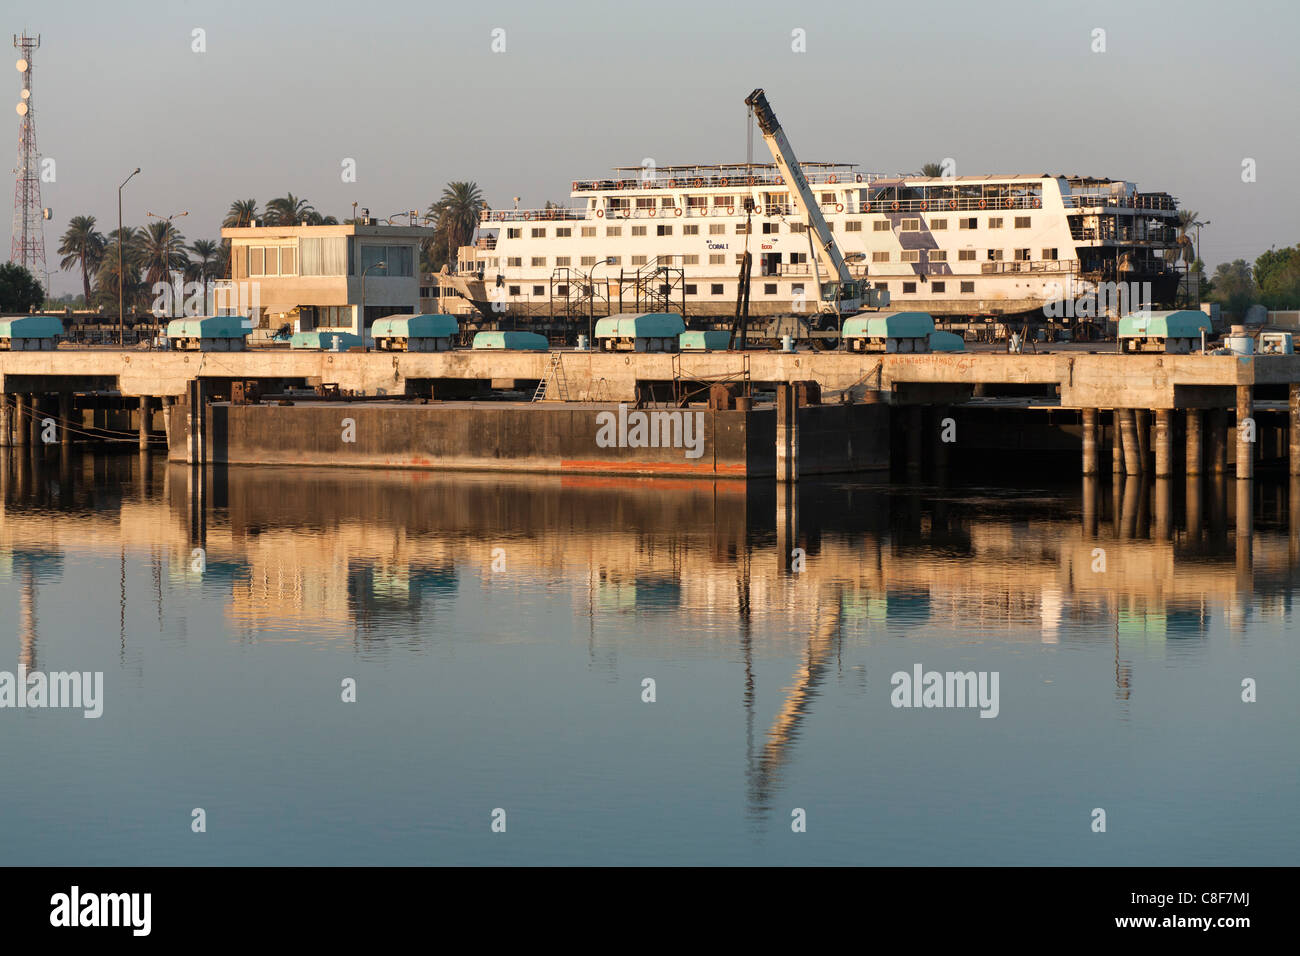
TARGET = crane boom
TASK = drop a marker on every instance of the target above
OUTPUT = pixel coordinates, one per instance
(845, 292)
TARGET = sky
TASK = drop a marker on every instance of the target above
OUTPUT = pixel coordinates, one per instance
(283, 94)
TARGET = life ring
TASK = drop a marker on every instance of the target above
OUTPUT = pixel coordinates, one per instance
(894, 207)
(501, 217)
(699, 183)
(952, 204)
(839, 207)
(983, 204)
(857, 178)
(866, 207)
(622, 184)
(600, 214)
(731, 210)
(1037, 202)
(550, 214)
(1008, 202)
(672, 184)
(924, 205)
(722, 181)
(832, 179)
(677, 211)
(575, 185)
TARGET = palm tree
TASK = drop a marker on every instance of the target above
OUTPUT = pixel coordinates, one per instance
(206, 254)
(106, 276)
(933, 170)
(1188, 219)
(242, 212)
(288, 210)
(316, 219)
(82, 245)
(162, 249)
(458, 211)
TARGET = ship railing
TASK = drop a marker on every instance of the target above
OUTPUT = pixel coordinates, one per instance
(530, 215)
(723, 181)
(1140, 201)
(1003, 266)
(934, 206)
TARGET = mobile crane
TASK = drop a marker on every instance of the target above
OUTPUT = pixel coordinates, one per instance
(841, 293)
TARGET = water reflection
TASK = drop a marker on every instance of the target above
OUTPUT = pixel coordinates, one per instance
(735, 572)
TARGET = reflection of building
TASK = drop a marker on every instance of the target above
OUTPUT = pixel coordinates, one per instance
(311, 276)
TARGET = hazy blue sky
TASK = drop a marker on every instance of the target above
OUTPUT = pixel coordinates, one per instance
(413, 92)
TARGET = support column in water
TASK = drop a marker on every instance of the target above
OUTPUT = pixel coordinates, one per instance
(65, 418)
(1193, 452)
(1293, 432)
(6, 420)
(1128, 435)
(1164, 442)
(1246, 432)
(1089, 442)
(144, 422)
(20, 426)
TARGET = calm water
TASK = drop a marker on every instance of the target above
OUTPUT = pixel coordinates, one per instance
(499, 632)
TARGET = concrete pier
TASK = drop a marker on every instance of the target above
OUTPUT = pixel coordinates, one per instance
(1293, 431)
(65, 418)
(1129, 438)
(6, 420)
(1142, 425)
(1090, 467)
(1116, 444)
(1193, 451)
(1247, 432)
(1218, 441)
(1164, 442)
(144, 423)
(21, 425)
(787, 434)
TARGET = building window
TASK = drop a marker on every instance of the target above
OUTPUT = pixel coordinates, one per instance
(910, 225)
(798, 258)
(880, 257)
(514, 262)
(562, 289)
(717, 259)
(995, 255)
(971, 223)
(717, 228)
(638, 230)
(665, 230)
(938, 287)
(938, 255)
(880, 225)
(690, 260)
(715, 289)
(853, 225)
(538, 262)
(909, 287)
(323, 257)
(638, 260)
(690, 230)
(539, 232)
(690, 289)
(588, 260)
(613, 231)
(561, 262)
(938, 225)
(1049, 253)
(965, 255)
(514, 290)
(514, 233)
(667, 260)
(967, 287)
(769, 288)
(539, 290)
(1022, 222)
(995, 222)
(589, 232)
(911, 255)
(397, 260)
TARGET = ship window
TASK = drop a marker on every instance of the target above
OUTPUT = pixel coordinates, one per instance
(588, 232)
(514, 261)
(882, 286)
(853, 225)
(995, 255)
(1049, 253)
(539, 233)
(910, 225)
(937, 225)
(723, 201)
(690, 290)
(965, 255)
(717, 228)
(798, 258)
(588, 260)
(697, 202)
(769, 288)
(739, 258)
(638, 230)
(909, 287)
(715, 289)
(742, 228)
(1022, 222)
(514, 290)
(938, 255)
(562, 289)
(645, 202)
(911, 255)
(561, 262)
(667, 260)
(995, 222)
(880, 257)
(539, 290)
(690, 260)
(771, 227)
(665, 230)
(538, 262)
(828, 197)
(690, 230)
(938, 287)
(717, 260)
(613, 230)
(880, 225)
(1022, 255)
(968, 287)
(514, 233)
(971, 223)
(638, 260)
(798, 227)
(563, 232)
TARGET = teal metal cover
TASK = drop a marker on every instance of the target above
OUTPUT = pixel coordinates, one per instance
(644, 325)
(889, 325)
(704, 340)
(208, 327)
(31, 327)
(511, 341)
(947, 342)
(1174, 324)
(427, 326)
(323, 339)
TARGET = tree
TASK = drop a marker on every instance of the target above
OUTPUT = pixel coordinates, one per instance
(162, 249)
(1234, 287)
(19, 290)
(82, 245)
(458, 211)
(242, 212)
(933, 170)
(106, 278)
(1277, 273)
(206, 254)
(288, 210)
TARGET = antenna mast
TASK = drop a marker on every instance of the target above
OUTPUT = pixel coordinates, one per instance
(28, 247)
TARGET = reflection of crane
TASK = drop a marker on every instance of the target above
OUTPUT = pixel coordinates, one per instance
(784, 730)
(841, 293)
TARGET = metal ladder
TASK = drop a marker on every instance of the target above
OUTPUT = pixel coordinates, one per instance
(554, 371)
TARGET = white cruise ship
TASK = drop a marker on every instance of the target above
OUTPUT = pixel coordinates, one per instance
(963, 248)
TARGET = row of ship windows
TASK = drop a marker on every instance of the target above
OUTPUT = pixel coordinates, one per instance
(796, 258)
(769, 288)
(772, 228)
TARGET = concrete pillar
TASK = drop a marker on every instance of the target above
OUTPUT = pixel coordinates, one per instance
(1129, 518)
(1194, 441)
(1218, 441)
(1164, 442)
(6, 420)
(787, 523)
(1293, 431)
(1089, 442)
(1193, 495)
(1142, 422)
(1245, 447)
(1116, 445)
(787, 434)
(65, 418)
(1164, 509)
(1245, 534)
(144, 423)
(1128, 435)
(1091, 494)
(20, 421)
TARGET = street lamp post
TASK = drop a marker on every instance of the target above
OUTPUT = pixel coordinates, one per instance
(591, 302)
(167, 249)
(1198, 259)
(121, 309)
(373, 265)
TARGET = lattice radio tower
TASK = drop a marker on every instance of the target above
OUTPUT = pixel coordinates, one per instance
(28, 247)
